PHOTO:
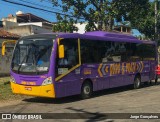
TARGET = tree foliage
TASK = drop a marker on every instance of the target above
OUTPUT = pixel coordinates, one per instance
(101, 14)
(64, 25)
(143, 18)
(92, 11)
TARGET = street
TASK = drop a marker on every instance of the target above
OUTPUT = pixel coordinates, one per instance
(117, 100)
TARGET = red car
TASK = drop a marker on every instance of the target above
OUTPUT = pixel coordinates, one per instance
(157, 73)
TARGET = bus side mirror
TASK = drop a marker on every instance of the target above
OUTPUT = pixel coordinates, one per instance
(61, 51)
(4, 45)
(3, 49)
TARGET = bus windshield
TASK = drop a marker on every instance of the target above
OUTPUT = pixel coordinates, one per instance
(32, 56)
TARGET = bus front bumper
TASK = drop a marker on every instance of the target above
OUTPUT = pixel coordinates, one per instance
(41, 91)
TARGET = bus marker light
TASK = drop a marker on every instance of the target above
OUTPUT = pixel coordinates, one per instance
(12, 79)
(47, 81)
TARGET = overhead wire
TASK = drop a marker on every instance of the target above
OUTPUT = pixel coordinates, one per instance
(49, 1)
(36, 4)
(25, 9)
(33, 7)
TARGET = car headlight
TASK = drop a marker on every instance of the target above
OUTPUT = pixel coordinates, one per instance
(47, 81)
(12, 79)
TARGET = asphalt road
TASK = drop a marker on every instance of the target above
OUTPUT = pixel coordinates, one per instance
(117, 100)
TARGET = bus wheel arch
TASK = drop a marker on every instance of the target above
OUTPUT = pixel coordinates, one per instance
(137, 81)
(86, 89)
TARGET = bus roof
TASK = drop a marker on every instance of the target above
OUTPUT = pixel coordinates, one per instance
(106, 36)
(110, 34)
(95, 35)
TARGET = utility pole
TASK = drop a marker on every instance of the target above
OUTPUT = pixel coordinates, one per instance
(156, 30)
(156, 15)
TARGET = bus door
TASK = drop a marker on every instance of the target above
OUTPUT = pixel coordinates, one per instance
(67, 66)
(149, 55)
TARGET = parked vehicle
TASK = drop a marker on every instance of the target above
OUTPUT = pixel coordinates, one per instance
(157, 73)
(50, 65)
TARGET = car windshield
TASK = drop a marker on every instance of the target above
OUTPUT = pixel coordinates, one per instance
(32, 55)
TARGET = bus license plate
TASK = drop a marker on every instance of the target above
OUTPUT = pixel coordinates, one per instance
(28, 88)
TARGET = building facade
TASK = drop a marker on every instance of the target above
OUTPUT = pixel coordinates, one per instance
(25, 24)
(6, 60)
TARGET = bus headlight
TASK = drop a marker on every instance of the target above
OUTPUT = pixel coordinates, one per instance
(12, 79)
(47, 81)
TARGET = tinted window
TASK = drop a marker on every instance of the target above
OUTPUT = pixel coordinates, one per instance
(103, 51)
(70, 59)
(117, 52)
(136, 52)
(149, 52)
(140, 52)
(107, 51)
(93, 51)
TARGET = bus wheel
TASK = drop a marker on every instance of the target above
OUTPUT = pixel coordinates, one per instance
(86, 90)
(137, 82)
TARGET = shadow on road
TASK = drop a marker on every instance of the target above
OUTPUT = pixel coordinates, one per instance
(76, 98)
(52, 100)
(89, 116)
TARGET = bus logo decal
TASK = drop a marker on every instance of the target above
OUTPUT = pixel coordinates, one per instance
(120, 68)
(87, 71)
(103, 69)
(99, 70)
(115, 69)
(28, 83)
(142, 66)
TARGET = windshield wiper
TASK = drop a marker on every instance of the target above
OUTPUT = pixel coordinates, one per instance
(25, 57)
(42, 52)
(34, 62)
(22, 63)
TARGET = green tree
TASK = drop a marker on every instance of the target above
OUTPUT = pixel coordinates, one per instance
(141, 15)
(144, 22)
(91, 11)
(103, 12)
(64, 25)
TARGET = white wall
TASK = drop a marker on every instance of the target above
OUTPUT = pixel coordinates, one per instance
(11, 19)
(81, 28)
(31, 23)
(8, 24)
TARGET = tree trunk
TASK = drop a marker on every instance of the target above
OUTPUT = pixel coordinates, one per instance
(111, 22)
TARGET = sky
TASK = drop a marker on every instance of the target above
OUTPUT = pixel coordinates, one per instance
(8, 8)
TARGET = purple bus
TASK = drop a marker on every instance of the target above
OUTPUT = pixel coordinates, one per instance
(50, 65)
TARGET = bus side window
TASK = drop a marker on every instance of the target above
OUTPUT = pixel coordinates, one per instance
(136, 51)
(70, 55)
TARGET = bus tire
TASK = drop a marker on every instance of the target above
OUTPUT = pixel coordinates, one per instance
(86, 90)
(137, 82)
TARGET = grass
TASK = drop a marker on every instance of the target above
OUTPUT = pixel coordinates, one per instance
(6, 92)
